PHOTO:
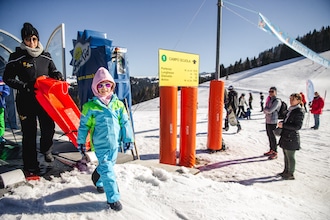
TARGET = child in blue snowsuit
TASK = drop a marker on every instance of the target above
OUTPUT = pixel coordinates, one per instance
(106, 118)
(4, 91)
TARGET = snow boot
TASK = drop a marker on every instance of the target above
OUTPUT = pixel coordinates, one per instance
(273, 156)
(116, 206)
(100, 189)
(95, 177)
(270, 152)
(239, 128)
(49, 157)
(288, 176)
(282, 174)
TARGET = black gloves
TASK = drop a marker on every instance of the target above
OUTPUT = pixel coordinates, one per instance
(56, 75)
(128, 146)
(82, 149)
(28, 87)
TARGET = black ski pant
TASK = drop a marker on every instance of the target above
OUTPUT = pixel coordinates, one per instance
(271, 136)
(29, 111)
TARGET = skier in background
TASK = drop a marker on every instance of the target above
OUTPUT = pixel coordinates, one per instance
(241, 103)
(262, 102)
(250, 101)
(303, 101)
(316, 109)
(231, 100)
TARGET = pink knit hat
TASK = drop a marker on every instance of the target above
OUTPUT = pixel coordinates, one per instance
(102, 74)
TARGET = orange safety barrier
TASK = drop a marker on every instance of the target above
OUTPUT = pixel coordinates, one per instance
(168, 96)
(216, 106)
(188, 126)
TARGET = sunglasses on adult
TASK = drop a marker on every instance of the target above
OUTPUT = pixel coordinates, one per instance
(29, 39)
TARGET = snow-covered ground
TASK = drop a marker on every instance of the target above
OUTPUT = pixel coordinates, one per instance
(239, 183)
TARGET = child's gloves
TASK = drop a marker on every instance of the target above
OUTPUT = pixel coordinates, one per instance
(128, 146)
(82, 149)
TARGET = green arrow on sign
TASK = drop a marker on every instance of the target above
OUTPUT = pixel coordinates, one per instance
(164, 58)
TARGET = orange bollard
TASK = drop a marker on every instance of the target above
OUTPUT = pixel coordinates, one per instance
(216, 106)
(168, 96)
(188, 126)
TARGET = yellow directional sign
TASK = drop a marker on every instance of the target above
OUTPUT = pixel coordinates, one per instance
(177, 68)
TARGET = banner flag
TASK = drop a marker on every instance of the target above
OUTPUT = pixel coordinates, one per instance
(92, 49)
(267, 26)
(56, 47)
(8, 44)
(310, 90)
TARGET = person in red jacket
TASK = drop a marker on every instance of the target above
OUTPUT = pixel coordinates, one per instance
(303, 101)
(316, 109)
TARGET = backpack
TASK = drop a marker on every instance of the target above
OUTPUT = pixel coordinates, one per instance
(283, 110)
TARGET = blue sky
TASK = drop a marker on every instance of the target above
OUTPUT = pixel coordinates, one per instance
(144, 26)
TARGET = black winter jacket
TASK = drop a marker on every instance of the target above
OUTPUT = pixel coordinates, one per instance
(22, 70)
(290, 139)
(232, 100)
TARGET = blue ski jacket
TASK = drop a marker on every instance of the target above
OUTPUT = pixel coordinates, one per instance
(106, 120)
(5, 91)
(109, 126)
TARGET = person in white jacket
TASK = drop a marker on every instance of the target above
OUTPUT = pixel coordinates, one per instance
(241, 103)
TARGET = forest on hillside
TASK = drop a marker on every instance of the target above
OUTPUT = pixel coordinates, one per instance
(144, 89)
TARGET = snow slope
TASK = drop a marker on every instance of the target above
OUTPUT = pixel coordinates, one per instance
(239, 183)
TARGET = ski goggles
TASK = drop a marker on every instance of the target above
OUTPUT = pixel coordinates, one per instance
(106, 85)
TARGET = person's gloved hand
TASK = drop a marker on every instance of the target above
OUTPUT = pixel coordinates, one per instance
(56, 75)
(28, 87)
(82, 164)
(128, 146)
(82, 149)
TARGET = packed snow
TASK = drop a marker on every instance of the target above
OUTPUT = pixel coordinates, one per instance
(238, 183)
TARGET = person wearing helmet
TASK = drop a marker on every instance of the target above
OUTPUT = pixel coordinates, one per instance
(231, 101)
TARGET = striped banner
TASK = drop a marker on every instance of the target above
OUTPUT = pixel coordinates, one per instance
(267, 26)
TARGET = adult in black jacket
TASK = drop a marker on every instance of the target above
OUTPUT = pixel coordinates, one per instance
(25, 65)
(290, 139)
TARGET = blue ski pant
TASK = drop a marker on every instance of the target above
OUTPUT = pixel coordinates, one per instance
(107, 160)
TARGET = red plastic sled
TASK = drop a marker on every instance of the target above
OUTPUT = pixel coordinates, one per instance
(53, 96)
